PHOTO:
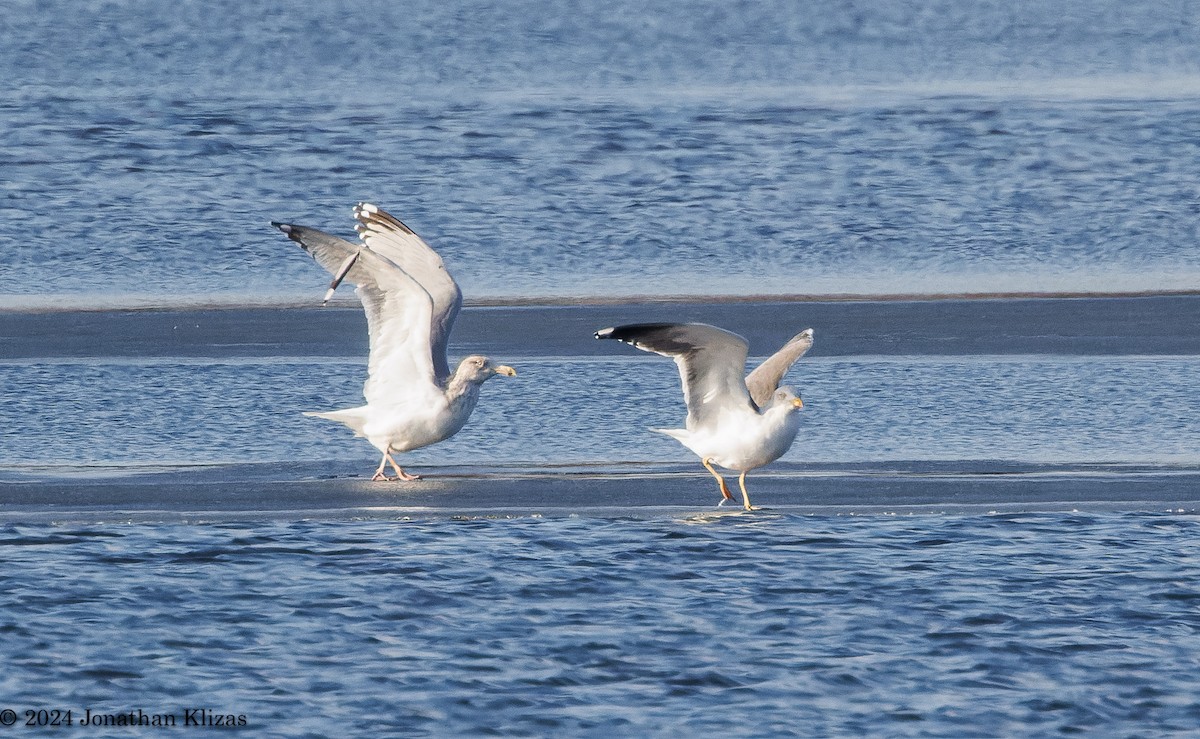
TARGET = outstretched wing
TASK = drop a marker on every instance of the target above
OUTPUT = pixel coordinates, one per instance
(764, 380)
(400, 368)
(387, 236)
(711, 363)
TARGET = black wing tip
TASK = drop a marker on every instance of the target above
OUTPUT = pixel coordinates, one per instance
(295, 233)
(289, 230)
(292, 232)
(629, 332)
(366, 213)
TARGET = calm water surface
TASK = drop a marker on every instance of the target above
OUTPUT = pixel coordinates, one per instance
(1029, 409)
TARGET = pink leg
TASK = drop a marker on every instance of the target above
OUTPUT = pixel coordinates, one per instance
(379, 472)
(400, 474)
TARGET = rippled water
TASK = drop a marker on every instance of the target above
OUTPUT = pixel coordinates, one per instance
(680, 148)
(751, 626)
(605, 150)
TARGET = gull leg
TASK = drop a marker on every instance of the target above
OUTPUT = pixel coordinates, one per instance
(724, 488)
(400, 474)
(379, 472)
(745, 495)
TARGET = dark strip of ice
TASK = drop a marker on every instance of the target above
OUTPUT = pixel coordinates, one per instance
(1159, 325)
(249, 491)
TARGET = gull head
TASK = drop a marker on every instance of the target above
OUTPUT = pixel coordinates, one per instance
(786, 396)
(477, 369)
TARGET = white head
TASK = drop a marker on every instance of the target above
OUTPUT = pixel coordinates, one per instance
(786, 396)
(477, 369)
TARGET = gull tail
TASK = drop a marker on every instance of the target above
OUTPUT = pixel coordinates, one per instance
(354, 418)
(680, 435)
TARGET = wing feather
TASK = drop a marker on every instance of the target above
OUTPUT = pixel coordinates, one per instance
(386, 235)
(712, 363)
(764, 380)
(398, 309)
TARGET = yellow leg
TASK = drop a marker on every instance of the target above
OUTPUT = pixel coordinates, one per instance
(724, 488)
(745, 495)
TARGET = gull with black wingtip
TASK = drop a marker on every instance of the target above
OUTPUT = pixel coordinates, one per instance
(736, 422)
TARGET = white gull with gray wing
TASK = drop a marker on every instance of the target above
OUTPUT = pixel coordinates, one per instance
(411, 301)
(737, 422)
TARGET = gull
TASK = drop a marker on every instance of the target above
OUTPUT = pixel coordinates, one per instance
(735, 423)
(411, 301)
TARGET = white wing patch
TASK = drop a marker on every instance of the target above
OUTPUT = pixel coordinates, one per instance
(400, 370)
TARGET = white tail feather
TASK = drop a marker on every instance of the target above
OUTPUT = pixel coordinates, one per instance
(351, 417)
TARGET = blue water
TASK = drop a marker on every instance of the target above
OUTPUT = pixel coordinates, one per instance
(1007, 625)
(605, 150)
(680, 148)
(1024, 409)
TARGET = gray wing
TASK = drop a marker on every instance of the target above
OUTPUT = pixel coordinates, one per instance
(711, 362)
(386, 235)
(400, 368)
(764, 380)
